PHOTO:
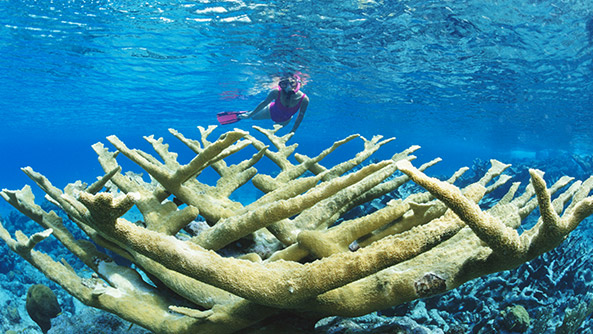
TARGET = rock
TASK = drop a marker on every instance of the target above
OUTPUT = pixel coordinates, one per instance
(42, 305)
(515, 318)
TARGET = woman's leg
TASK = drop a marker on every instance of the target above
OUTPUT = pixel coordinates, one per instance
(262, 114)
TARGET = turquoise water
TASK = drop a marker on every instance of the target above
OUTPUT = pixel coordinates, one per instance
(463, 79)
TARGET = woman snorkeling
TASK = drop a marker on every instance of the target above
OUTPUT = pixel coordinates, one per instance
(282, 103)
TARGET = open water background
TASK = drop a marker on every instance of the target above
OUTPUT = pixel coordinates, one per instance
(463, 79)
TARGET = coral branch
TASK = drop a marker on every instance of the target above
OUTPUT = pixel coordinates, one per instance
(319, 241)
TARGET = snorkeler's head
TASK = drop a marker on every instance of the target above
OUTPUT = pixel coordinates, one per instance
(290, 83)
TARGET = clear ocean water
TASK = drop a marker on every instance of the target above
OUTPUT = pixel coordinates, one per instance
(470, 79)
(463, 79)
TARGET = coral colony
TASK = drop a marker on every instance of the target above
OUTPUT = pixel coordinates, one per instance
(294, 250)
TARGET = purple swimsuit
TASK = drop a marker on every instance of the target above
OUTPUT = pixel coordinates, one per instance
(280, 113)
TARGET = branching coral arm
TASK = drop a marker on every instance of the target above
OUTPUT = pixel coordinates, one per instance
(280, 284)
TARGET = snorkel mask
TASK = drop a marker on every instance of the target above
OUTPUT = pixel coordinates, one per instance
(290, 84)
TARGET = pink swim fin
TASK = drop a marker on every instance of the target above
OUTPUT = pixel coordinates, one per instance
(229, 117)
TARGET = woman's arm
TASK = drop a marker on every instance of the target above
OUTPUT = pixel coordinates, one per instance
(301, 114)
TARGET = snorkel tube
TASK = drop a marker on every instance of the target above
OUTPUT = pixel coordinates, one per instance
(298, 80)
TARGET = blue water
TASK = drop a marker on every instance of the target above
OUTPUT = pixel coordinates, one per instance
(463, 79)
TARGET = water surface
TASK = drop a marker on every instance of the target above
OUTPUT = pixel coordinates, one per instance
(463, 79)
